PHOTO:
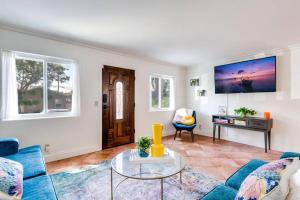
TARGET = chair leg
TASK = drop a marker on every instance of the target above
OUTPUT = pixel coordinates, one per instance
(180, 133)
(192, 135)
(175, 134)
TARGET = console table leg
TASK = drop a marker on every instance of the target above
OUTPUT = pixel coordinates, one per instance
(266, 141)
(219, 132)
(162, 189)
(269, 139)
(214, 132)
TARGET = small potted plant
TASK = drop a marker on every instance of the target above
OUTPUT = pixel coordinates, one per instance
(244, 112)
(143, 146)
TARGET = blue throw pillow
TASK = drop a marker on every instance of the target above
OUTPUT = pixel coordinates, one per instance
(11, 179)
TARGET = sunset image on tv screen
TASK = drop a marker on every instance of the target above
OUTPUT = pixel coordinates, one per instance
(249, 76)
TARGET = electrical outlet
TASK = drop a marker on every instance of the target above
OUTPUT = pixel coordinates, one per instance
(47, 148)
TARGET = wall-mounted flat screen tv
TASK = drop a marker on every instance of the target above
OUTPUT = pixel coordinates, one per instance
(257, 75)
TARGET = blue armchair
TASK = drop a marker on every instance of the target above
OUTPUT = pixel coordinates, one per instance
(181, 127)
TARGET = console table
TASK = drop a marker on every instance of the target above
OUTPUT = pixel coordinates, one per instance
(247, 123)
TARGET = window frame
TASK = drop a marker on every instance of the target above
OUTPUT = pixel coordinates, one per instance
(172, 93)
(46, 113)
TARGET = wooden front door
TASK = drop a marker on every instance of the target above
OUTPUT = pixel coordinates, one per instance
(117, 106)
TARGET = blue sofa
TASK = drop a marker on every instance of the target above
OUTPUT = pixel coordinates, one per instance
(37, 185)
(229, 190)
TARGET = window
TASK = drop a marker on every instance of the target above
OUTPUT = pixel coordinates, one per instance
(161, 93)
(36, 86)
(119, 100)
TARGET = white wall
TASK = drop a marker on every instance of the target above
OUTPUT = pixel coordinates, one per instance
(73, 136)
(284, 105)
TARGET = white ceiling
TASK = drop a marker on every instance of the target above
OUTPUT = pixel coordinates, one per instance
(182, 32)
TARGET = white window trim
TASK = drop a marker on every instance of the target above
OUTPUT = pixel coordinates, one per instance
(172, 93)
(45, 114)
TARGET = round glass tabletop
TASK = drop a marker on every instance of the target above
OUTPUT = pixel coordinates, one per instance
(126, 165)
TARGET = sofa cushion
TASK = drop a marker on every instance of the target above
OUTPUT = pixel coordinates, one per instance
(221, 192)
(184, 127)
(32, 160)
(236, 179)
(289, 155)
(39, 188)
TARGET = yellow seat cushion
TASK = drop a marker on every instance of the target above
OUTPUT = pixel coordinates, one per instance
(188, 120)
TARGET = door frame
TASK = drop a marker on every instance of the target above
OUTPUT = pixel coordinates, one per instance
(132, 139)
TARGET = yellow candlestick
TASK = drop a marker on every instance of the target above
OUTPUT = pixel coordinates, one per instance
(157, 149)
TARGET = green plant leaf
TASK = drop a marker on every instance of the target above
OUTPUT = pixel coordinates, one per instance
(144, 143)
(243, 111)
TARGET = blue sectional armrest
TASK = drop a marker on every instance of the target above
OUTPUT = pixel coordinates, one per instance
(236, 179)
(289, 155)
(8, 146)
(221, 192)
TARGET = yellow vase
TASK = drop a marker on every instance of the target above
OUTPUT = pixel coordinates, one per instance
(157, 148)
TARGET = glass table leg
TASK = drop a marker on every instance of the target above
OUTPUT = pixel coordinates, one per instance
(111, 184)
(180, 177)
(140, 170)
(162, 189)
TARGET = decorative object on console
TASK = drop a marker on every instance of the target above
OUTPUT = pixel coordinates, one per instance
(143, 146)
(239, 122)
(157, 148)
(244, 112)
(194, 82)
(267, 115)
(222, 110)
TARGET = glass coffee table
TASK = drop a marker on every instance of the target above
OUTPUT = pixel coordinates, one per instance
(122, 165)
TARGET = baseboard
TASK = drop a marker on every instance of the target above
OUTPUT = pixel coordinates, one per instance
(172, 132)
(206, 133)
(169, 132)
(70, 153)
(198, 132)
(76, 152)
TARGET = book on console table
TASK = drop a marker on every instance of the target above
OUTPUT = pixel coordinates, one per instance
(136, 159)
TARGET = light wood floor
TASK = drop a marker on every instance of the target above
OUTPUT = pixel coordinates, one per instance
(217, 159)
